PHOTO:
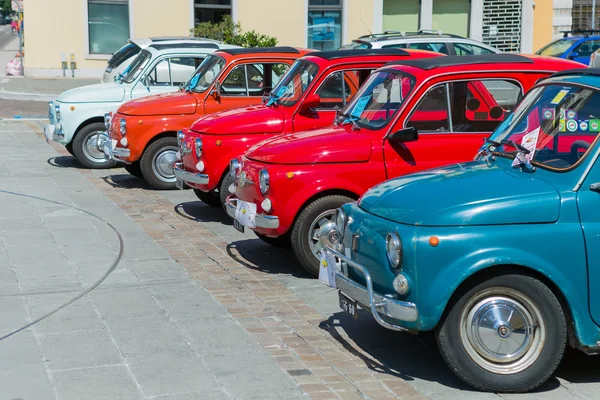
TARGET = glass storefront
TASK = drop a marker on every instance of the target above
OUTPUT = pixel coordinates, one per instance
(108, 24)
(324, 24)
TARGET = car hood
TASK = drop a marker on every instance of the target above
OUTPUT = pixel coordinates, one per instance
(318, 146)
(177, 103)
(474, 193)
(244, 120)
(97, 93)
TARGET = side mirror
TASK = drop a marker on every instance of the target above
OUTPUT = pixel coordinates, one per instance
(216, 92)
(404, 135)
(313, 101)
(574, 55)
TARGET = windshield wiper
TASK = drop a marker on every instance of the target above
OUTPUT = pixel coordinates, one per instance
(272, 99)
(522, 152)
(517, 146)
(348, 118)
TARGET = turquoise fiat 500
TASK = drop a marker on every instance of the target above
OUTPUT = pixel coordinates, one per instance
(499, 256)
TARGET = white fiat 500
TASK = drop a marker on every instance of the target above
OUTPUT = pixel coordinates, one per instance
(77, 115)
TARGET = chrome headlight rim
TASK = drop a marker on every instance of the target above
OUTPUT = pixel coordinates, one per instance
(51, 110)
(393, 249)
(180, 137)
(198, 147)
(57, 111)
(341, 219)
(107, 120)
(264, 181)
(123, 126)
(234, 166)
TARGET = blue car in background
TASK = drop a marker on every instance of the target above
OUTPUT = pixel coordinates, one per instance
(577, 45)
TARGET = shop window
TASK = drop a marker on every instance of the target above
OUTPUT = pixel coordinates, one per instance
(324, 24)
(108, 25)
(211, 10)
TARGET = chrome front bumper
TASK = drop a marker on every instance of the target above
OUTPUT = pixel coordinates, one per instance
(372, 301)
(112, 152)
(54, 132)
(261, 221)
(189, 177)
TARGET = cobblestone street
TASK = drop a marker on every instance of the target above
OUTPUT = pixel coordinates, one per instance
(193, 310)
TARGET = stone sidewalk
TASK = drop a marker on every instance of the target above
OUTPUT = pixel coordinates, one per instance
(194, 310)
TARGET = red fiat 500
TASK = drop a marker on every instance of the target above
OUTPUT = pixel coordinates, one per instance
(287, 188)
(306, 98)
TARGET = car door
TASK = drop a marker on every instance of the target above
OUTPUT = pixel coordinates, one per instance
(166, 75)
(244, 84)
(335, 91)
(583, 51)
(453, 118)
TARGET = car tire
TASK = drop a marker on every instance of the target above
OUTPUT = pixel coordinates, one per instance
(224, 190)
(476, 358)
(85, 147)
(310, 220)
(156, 163)
(134, 169)
(280, 241)
(210, 198)
(69, 148)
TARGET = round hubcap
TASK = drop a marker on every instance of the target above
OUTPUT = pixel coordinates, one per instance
(322, 233)
(92, 145)
(502, 331)
(162, 164)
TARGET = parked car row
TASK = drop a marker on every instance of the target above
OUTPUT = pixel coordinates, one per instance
(361, 161)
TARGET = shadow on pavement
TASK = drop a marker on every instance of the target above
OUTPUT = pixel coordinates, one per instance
(126, 181)
(578, 367)
(65, 162)
(201, 212)
(259, 256)
(415, 358)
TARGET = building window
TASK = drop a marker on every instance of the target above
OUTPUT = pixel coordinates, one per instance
(211, 10)
(324, 24)
(582, 14)
(108, 25)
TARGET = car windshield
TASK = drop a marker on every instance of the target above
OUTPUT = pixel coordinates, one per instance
(125, 52)
(553, 127)
(294, 83)
(205, 74)
(136, 67)
(378, 99)
(556, 49)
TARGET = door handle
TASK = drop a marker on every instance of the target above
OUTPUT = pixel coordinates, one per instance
(595, 187)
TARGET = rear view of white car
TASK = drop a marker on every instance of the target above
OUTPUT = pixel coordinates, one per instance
(77, 115)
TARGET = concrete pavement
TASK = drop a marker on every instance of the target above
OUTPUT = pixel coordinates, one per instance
(194, 309)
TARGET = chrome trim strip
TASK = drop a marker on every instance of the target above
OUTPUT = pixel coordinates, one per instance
(189, 177)
(120, 152)
(377, 303)
(261, 221)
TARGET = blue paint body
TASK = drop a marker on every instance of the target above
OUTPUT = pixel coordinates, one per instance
(486, 214)
(580, 49)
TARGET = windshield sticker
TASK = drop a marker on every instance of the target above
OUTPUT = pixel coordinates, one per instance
(572, 125)
(561, 95)
(529, 141)
(594, 125)
(583, 125)
(548, 113)
(282, 90)
(571, 114)
(562, 113)
(561, 125)
(360, 106)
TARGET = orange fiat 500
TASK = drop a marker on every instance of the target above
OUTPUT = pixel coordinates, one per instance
(143, 132)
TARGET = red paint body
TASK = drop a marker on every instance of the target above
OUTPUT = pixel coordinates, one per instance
(229, 134)
(163, 115)
(341, 160)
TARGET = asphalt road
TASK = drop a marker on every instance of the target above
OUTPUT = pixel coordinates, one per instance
(23, 109)
(5, 36)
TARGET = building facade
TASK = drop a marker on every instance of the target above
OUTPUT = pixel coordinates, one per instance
(88, 31)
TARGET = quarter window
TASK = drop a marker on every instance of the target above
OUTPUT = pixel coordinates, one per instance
(437, 47)
(324, 24)
(108, 25)
(466, 49)
(211, 10)
(252, 79)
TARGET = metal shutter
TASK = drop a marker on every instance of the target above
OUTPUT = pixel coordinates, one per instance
(502, 24)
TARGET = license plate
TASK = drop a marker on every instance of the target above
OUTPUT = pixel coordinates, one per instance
(238, 226)
(179, 184)
(347, 305)
(245, 214)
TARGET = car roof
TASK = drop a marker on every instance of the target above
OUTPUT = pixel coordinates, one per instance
(584, 76)
(200, 45)
(580, 72)
(337, 54)
(145, 42)
(388, 35)
(258, 50)
(449, 61)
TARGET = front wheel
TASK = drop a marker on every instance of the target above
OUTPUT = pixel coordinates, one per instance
(314, 229)
(211, 198)
(86, 146)
(224, 190)
(505, 334)
(134, 169)
(157, 163)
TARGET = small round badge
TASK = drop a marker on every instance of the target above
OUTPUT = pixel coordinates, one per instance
(571, 114)
(583, 125)
(572, 125)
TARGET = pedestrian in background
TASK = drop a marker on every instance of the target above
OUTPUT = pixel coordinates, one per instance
(13, 26)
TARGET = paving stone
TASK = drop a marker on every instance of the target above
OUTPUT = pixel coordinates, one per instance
(100, 383)
(13, 313)
(187, 301)
(213, 394)
(125, 303)
(42, 275)
(157, 270)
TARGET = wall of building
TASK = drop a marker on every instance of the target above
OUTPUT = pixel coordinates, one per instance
(401, 16)
(542, 27)
(359, 19)
(161, 18)
(286, 19)
(451, 16)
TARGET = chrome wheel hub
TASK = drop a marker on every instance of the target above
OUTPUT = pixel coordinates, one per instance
(162, 164)
(502, 331)
(322, 233)
(92, 145)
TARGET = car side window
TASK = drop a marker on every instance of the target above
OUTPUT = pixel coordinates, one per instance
(466, 49)
(182, 68)
(339, 88)
(437, 47)
(394, 46)
(253, 79)
(586, 48)
(160, 74)
(431, 114)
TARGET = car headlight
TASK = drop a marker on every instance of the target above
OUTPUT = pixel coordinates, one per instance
(340, 222)
(51, 111)
(57, 111)
(263, 179)
(234, 165)
(180, 137)
(393, 247)
(123, 126)
(198, 143)
(107, 119)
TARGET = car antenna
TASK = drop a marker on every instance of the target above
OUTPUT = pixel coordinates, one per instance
(368, 30)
